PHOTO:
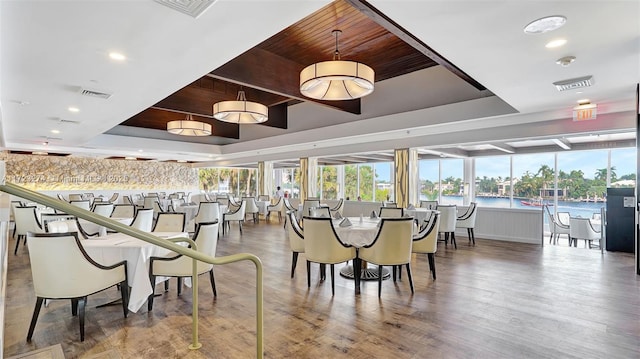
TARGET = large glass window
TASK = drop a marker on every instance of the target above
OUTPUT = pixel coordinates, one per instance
(329, 181)
(493, 182)
(623, 167)
(351, 182)
(533, 180)
(384, 184)
(209, 178)
(582, 182)
(451, 187)
(366, 180)
(429, 173)
(247, 182)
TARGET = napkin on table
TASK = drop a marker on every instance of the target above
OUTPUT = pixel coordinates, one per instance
(345, 223)
(373, 214)
(337, 215)
(411, 207)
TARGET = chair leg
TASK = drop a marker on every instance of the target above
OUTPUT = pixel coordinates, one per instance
(15, 251)
(356, 274)
(453, 240)
(166, 285)
(179, 285)
(333, 282)
(394, 272)
(81, 306)
(308, 274)
(285, 221)
(213, 283)
(124, 291)
(240, 225)
(152, 279)
(473, 236)
(379, 281)
(323, 271)
(432, 264)
(74, 307)
(409, 276)
(34, 318)
(294, 262)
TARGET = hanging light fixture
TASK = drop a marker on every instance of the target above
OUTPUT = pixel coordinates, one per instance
(240, 111)
(189, 127)
(337, 79)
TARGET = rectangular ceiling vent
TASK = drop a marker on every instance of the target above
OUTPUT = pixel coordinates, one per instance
(62, 120)
(193, 8)
(94, 93)
(576, 83)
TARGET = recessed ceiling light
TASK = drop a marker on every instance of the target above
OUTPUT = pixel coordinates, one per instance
(73, 109)
(55, 131)
(555, 43)
(140, 150)
(130, 158)
(545, 24)
(565, 61)
(117, 56)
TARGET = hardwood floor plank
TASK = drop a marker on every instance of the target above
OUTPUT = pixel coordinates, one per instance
(493, 300)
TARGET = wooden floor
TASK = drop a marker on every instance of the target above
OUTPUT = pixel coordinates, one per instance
(494, 300)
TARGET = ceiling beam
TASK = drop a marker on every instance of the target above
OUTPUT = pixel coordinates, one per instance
(157, 119)
(394, 28)
(266, 71)
(562, 143)
(503, 147)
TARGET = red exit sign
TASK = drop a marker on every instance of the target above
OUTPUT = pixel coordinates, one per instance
(585, 112)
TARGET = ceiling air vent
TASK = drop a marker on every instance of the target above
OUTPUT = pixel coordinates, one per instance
(62, 120)
(576, 83)
(94, 93)
(192, 8)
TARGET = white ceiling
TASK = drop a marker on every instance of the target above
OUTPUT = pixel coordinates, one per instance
(48, 50)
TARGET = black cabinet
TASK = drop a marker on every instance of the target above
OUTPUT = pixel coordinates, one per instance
(621, 204)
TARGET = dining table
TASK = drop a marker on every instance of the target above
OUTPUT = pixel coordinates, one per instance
(419, 213)
(190, 211)
(262, 207)
(116, 247)
(91, 228)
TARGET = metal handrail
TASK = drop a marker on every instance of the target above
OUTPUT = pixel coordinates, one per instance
(149, 237)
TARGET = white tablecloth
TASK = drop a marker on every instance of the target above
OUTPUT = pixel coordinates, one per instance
(419, 213)
(262, 207)
(359, 234)
(117, 247)
(91, 228)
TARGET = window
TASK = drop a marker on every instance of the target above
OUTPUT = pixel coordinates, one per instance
(209, 178)
(329, 182)
(247, 182)
(428, 172)
(384, 184)
(365, 181)
(623, 167)
(531, 175)
(493, 184)
(451, 181)
(351, 182)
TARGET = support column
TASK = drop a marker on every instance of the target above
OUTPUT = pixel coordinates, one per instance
(469, 181)
(401, 176)
(265, 178)
(414, 178)
(308, 177)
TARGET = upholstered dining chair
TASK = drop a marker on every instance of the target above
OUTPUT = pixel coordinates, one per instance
(322, 245)
(75, 197)
(288, 207)
(64, 226)
(113, 198)
(581, 228)
(237, 215)
(251, 208)
(61, 269)
(468, 221)
(390, 204)
(208, 212)
(26, 219)
(277, 207)
(50, 223)
(319, 212)
(296, 239)
(127, 200)
(426, 241)
(123, 211)
(309, 203)
(448, 218)
(177, 265)
(391, 247)
(143, 220)
(338, 208)
(84, 204)
(169, 222)
(104, 209)
(12, 217)
(556, 228)
(263, 197)
(390, 212)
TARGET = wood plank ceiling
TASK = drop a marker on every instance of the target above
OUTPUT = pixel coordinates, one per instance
(269, 73)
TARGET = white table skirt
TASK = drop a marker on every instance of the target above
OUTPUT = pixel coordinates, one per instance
(189, 211)
(419, 213)
(262, 206)
(359, 234)
(91, 227)
(117, 247)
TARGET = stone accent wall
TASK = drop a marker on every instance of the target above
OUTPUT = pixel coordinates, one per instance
(47, 173)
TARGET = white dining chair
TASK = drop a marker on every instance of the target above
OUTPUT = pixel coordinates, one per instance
(295, 234)
(143, 220)
(208, 212)
(468, 221)
(26, 219)
(448, 217)
(426, 241)
(251, 208)
(581, 228)
(169, 222)
(237, 215)
(390, 212)
(277, 207)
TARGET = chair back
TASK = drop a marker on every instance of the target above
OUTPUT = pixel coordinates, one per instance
(26, 220)
(114, 197)
(252, 206)
(563, 218)
(61, 268)
(206, 238)
(448, 217)
(278, 206)
(123, 211)
(238, 214)
(207, 212)
(288, 205)
(321, 243)
(103, 209)
(390, 204)
(169, 222)
(427, 239)
(126, 200)
(143, 220)
(319, 212)
(392, 245)
(82, 204)
(14, 204)
(581, 228)
(63, 226)
(295, 233)
(468, 219)
(390, 212)
(149, 201)
(223, 200)
(429, 204)
(263, 197)
(48, 218)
